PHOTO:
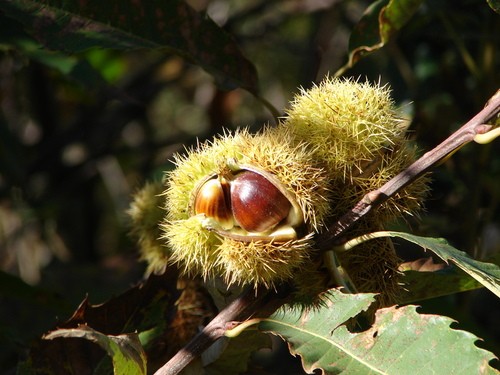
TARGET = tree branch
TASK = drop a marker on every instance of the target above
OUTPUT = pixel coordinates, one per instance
(249, 303)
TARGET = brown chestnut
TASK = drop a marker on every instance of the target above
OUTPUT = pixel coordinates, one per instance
(257, 205)
(246, 204)
(212, 199)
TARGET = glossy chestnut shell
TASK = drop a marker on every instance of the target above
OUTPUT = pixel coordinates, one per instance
(213, 200)
(257, 204)
(245, 205)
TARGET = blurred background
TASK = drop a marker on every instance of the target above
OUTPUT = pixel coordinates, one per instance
(76, 144)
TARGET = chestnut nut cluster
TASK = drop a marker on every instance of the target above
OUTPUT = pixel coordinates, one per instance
(246, 205)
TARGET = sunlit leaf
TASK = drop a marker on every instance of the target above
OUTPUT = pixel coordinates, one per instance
(400, 341)
(125, 350)
(75, 26)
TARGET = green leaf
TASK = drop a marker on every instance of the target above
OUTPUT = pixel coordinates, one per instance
(488, 274)
(400, 341)
(75, 26)
(380, 22)
(125, 350)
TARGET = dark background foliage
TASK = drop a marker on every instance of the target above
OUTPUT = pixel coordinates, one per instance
(79, 133)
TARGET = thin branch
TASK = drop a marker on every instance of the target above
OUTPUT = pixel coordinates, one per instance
(245, 306)
(477, 125)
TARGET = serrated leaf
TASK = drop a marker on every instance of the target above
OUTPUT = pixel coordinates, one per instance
(400, 341)
(75, 26)
(381, 20)
(125, 350)
(488, 274)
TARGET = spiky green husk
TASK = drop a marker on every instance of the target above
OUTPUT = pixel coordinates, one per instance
(355, 132)
(310, 281)
(373, 265)
(192, 246)
(348, 123)
(263, 263)
(256, 263)
(145, 213)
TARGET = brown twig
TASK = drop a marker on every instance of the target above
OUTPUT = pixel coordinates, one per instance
(246, 305)
(214, 330)
(250, 303)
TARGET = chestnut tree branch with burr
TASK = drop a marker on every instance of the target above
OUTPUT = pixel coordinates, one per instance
(251, 304)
